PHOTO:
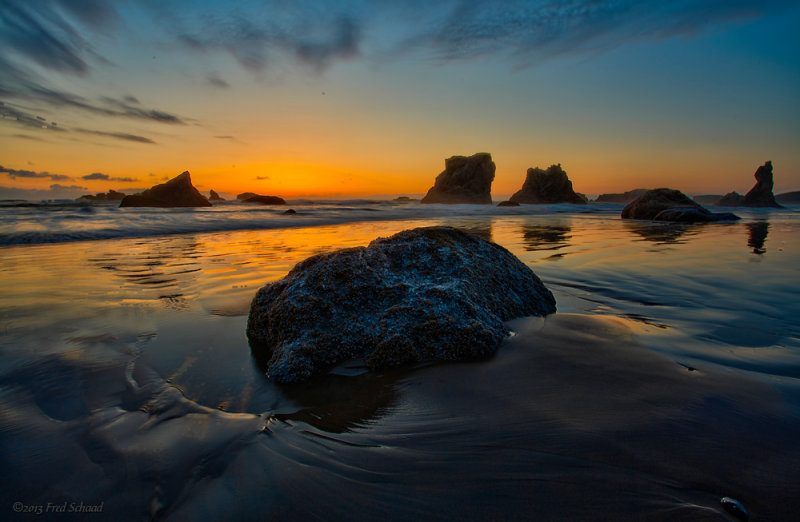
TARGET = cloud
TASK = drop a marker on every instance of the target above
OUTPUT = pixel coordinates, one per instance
(526, 31)
(37, 33)
(117, 135)
(262, 178)
(106, 177)
(218, 82)
(532, 31)
(11, 114)
(14, 174)
(56, 186)
(56, 191)
(313, 33)
(225, 137)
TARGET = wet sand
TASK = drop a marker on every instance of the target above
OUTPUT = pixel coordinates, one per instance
(572, 419)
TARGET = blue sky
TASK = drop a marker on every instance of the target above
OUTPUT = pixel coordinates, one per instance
(323, 98)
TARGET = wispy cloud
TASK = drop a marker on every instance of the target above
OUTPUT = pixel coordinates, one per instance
(218, 82)
(14, 174)
(106, 177)
(56, 186)
(262, 178)
(116, 135)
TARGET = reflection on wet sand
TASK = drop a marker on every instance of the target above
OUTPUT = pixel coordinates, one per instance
(757, 235)
(661, 232)
(546, 237)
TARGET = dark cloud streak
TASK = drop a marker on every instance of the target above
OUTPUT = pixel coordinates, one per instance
(14, 174)
(116, 135)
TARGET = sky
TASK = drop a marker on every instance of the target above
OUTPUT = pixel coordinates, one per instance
(350, 98)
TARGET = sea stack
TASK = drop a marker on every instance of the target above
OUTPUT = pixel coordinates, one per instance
(434, 293)
(265, 200)
(620, 197)
(759, 196)
(177, 192)
(671, 205)
(547, 186)
(213, 196)
(464, 180)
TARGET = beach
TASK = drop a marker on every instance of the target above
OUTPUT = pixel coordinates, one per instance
(668, 379)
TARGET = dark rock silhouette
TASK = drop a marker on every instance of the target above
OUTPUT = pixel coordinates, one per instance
(547, 186)
(213, 196)
(266, 200)
(111, 195)
(788, 198)
(177, 192)
(757, 235)
(624, 197)
(670, 205)
(464, 180)
(290, 211)
(731, 199)
(759, 196)
(508, 204)
(708, 199)
(246, 195)
(433, 293)
(404, 199)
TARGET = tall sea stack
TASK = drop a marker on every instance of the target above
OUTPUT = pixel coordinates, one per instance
(464, 180)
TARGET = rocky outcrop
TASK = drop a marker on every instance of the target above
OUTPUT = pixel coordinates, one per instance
(266, 200)
(464, 180)
(547, 186)
(731, 199)
(177, 192)
(111, 195)
(508, 204)
(789, 198)
(433, 293)
(623, 197)
(707, 199)
(213, 196)
(246, 195)
(759, 196)
(670, 205)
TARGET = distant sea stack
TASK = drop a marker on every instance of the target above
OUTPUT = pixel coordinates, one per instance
(265, 200)
(428, 294)
(111, 195)
(246, 195)
(464, 180)
(671, 205)
(759, 196)
(789, 198)
(547, 186)
(177, 192)
(624, 197)
(213, 196)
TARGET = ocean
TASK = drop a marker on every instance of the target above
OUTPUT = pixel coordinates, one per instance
(668, 380)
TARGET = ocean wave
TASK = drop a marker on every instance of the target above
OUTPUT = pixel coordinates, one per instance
(26, 222)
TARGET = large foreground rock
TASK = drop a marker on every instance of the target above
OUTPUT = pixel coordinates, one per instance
(177, 192)
(670, 205)
(464, 180)
(433, 293)
(547, 186)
